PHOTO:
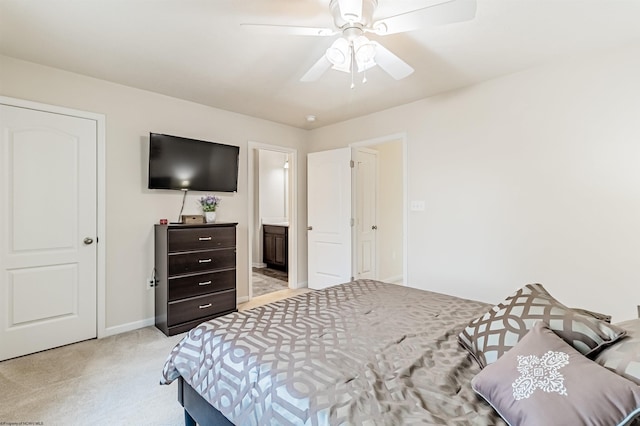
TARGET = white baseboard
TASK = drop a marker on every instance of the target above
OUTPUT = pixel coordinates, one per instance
(259, 265)
(118, 329)
(302, 284)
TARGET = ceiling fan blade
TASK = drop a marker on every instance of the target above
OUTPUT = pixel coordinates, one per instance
(390, 63)
(290, 29)
(316, 71)
(439, 13)
(350, 10)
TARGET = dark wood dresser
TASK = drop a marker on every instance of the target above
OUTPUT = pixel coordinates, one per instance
(195, 267)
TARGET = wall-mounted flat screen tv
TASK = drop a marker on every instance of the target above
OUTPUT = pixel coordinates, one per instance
(191, 164)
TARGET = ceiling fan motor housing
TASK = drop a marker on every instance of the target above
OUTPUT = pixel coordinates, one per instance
(344, 20)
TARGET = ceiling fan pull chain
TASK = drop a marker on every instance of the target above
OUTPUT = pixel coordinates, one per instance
(353, 62)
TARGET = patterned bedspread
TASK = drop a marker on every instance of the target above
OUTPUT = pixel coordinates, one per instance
(362, 353)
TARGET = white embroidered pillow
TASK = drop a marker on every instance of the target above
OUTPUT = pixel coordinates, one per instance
(544, 381)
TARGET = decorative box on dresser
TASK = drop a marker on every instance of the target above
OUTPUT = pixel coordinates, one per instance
(195, 274)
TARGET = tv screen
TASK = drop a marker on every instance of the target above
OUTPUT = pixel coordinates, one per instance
(190, 164)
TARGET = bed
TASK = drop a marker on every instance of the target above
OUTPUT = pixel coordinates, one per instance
(371, 353)
(365, 352)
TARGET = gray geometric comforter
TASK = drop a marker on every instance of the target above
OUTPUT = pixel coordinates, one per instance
(362, 353)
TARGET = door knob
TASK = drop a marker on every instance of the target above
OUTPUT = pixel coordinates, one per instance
(88, 241)
(309, 228)
(374, 227)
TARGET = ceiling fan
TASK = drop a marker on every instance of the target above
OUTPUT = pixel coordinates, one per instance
(353, 52)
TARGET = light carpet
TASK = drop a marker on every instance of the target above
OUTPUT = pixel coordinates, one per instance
(111, 381)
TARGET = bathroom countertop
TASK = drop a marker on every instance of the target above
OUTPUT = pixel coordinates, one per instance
(276, 223)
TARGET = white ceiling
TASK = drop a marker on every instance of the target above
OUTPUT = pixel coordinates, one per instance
(196, 49)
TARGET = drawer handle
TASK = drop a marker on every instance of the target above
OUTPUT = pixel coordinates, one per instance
(204, 261)
(204, 238)
(208, 305)
(205, 283)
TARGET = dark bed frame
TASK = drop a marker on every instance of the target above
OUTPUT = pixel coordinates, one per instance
(197, 409)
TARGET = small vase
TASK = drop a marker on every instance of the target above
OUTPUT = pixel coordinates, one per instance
(210, 217)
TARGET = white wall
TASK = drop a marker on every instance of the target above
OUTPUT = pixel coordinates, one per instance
(272, 187)
(532, 177)
(131, 208)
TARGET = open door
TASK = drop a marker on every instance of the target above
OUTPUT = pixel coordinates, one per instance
(329, 217)
(366, 210)
(287, 198)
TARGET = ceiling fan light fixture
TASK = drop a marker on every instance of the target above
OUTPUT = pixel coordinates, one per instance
(353, 55)
(365, 50)
(346, 67)
(335, 56)
(363, 66)
(338, 53)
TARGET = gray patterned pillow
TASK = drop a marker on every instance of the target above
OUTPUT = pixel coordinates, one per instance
(545, 381)
(623, 357)
(598, 315)
(500, 329)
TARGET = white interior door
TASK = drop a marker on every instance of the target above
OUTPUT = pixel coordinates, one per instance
(366, 225)
(329, 217)
(48, 229)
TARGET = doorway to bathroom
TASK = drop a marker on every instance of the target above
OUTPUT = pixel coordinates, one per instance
(272, 218)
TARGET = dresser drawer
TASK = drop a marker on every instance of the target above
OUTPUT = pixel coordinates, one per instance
(201, 307)
(201, 238)
(206, 260)
(197, 285)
